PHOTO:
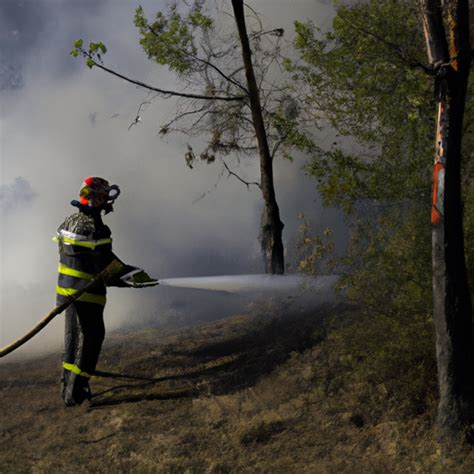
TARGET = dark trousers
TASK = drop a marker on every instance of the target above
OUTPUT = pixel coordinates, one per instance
(84, 334)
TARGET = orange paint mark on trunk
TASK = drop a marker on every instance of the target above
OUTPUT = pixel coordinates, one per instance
(438, 194)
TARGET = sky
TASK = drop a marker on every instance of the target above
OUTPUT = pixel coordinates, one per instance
(61, 122)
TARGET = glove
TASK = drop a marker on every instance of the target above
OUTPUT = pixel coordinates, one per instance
(138, 278)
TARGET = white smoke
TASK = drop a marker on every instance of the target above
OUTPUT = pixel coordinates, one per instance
(18, 194)
(66, 122)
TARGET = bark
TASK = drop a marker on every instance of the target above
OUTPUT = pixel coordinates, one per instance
(452, 311)
(272, 227)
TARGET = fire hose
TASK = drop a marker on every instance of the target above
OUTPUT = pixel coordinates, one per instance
(112, 270)
(322, 286)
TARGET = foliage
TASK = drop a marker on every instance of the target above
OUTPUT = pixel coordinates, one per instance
(314, 251)
(170, 39)
(95, 52)
(369, 93)
(367, 79)
(390, 256)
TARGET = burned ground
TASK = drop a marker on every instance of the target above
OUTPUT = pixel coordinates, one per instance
(244, 394)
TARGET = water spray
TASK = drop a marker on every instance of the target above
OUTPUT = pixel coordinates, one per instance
(321, 287)
(258, 283)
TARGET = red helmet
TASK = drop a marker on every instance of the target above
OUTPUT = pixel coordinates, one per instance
(97, 192)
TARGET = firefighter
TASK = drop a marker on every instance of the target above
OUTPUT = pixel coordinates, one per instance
(85, 249)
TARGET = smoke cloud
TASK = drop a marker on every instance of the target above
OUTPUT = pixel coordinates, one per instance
(61, 122)
(18, 194)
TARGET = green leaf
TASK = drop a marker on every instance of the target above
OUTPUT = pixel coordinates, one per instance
(78, 43)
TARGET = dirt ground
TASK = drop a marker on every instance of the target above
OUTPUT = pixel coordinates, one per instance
(236, 395)
(157, 423)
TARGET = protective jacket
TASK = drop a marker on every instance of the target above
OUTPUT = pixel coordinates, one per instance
(85, 249)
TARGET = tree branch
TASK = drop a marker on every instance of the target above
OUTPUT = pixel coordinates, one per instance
(138, 118)
(256, 16)
(232, 173)
(277, 145)
(204, 61)
(156, 89)
(165, 128)
(275, 32)
(227, 78)
(395, 48)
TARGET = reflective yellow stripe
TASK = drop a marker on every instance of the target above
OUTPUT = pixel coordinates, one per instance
(90, 244)
(75, 273)
(85, 297)
(76, 370)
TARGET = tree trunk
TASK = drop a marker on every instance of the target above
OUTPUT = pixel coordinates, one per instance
(452, 311)
(272, 227)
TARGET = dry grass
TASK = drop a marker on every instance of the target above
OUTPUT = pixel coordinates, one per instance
(246, 394)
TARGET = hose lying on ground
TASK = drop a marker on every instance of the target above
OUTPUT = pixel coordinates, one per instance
(112, 270)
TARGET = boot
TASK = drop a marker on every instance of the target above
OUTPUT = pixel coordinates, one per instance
(76, 391)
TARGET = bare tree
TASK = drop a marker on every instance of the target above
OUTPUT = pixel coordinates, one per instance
(272, 226)
(449, 53)
(232, 96)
